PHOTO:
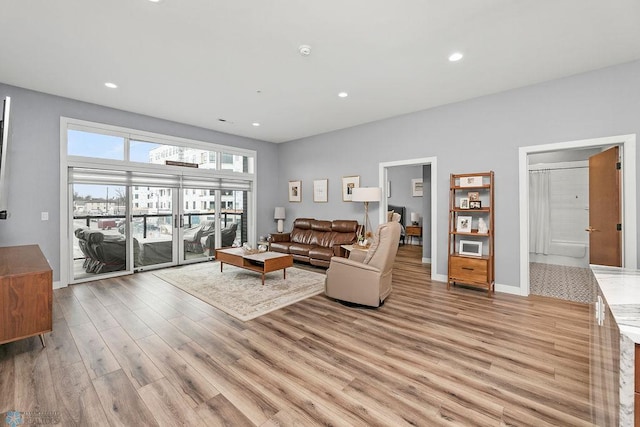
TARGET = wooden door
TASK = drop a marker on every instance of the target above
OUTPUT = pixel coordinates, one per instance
(605, 239)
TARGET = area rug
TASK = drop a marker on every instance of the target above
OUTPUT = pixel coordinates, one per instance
(239, 292)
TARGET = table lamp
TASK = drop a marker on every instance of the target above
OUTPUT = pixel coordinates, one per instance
(279, 215)
(415, 218)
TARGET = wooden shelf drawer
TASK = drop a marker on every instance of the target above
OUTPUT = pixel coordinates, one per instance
(468, 269)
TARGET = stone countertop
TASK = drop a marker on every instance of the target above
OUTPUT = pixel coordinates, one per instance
(621, 289)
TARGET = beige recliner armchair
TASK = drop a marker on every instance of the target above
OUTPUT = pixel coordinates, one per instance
(365, 277)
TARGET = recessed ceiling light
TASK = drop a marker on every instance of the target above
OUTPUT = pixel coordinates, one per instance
(343, 94)
(111, 85)
(456, 56)
(256, 124)
(154, 1)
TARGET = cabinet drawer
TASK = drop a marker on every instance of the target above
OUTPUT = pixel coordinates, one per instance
(471, 269)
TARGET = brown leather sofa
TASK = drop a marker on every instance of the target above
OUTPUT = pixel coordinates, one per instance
(315, 241)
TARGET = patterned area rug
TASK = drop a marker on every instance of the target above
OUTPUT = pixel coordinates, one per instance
(239, 292)
(560, 281)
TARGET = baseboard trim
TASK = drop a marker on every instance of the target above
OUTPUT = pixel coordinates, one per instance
(506, 289)
(426, 260)
(439, 277)
(58, 284)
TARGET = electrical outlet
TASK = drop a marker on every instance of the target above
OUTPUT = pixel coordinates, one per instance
(44, 216)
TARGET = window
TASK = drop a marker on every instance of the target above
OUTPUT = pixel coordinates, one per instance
(96, 145)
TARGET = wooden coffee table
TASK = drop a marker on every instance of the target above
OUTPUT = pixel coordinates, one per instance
(261, 262)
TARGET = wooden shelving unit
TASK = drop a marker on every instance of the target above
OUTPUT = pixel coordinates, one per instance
(475, 266)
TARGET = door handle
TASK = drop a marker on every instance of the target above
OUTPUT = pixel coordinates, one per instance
(590, 229)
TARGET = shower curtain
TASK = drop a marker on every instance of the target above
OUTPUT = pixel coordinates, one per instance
(539, 211)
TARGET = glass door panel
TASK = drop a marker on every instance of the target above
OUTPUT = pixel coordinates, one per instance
(233, 218)
(99, 239)
(198, 224)
(152, 226)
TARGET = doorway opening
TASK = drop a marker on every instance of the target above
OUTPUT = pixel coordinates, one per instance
(419, 207)
(555, 239)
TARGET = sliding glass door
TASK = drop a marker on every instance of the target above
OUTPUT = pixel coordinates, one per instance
(138, 201)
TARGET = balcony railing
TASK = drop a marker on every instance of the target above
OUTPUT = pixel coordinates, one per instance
(107, 222)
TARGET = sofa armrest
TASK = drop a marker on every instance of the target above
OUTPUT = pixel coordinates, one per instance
(357, 255)
(279, 237)
(341, 263)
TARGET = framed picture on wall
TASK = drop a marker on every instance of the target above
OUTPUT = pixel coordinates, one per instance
(348, 184)
(320, 190)
(416, 187)
(295, 191)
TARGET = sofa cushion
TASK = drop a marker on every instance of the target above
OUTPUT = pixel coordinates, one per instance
(321, 253)
(280, 247)
(322, 226)
(344, 226)
(303, 223)
(300, 249)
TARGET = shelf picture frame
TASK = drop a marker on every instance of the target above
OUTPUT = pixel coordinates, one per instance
(295, 191)
(475, 204)
(463, 224)
(320, 190)
(470, 248)
(348, 184)
(474, 196)
(471, 181)
(464, 203)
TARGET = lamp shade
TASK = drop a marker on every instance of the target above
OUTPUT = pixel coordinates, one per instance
(279, 213)
(366, 194)
(415, 217)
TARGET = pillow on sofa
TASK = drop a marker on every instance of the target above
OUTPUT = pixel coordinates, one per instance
(390, 216)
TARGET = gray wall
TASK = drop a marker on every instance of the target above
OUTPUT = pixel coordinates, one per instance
(34, 164)
(471, 136)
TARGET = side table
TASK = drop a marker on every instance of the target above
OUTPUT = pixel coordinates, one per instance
(414, 231)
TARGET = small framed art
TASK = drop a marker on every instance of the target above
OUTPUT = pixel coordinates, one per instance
(463, 224)
(320, 190)
(471, 181)
(474, 196)
(475, 204)
(469, 247)
(416, 187)
(348, 184)
(464, 203)
(295, 191)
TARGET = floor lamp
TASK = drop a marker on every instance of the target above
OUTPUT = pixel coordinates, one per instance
(366, 195)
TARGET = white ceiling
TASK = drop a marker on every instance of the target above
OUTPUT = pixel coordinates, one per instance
(197, 61)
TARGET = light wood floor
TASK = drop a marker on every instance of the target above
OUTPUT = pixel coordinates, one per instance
(136, 351)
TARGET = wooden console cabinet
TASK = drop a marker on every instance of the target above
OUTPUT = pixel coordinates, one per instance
(26, 293)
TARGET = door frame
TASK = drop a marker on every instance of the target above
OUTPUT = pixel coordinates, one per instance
(629, 217)
(382, 180)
